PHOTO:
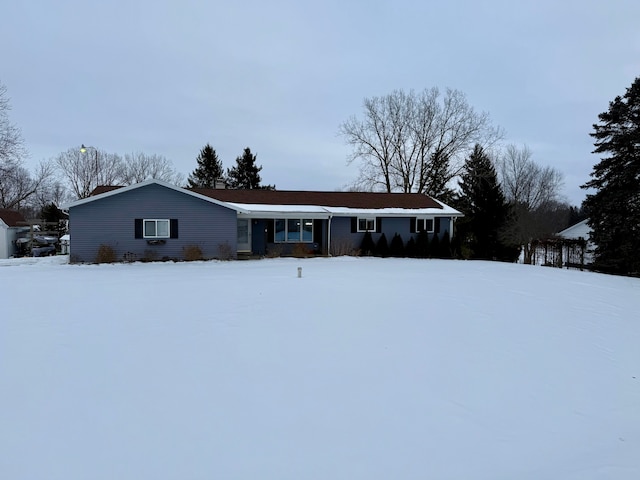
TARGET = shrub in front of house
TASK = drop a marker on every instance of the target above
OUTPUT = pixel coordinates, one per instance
(225, 252)
(410, 248)
(434, 247)
(192, 253)
(367, 247)
(274, 251)
(396, 247)
(422, 245)
(106, 254)
(343, 246)
(301, 250)
(382, 247)
(445, 246)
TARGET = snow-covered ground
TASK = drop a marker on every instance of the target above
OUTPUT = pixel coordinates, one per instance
(362, 369)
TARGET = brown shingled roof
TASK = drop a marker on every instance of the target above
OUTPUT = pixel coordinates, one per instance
(326, 199)
(103, 189)
(363, 200)
(11, 217)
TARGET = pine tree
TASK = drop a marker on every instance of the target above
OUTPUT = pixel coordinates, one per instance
(410, 248)
(422, 245)
(614, 208)
(445, 246)
(245, 175)
(367, 247)
(396, 247)
(434, 247)
(208, 171)
(382, 247)
(484, 206)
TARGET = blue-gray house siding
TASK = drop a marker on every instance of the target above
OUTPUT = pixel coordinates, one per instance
(111, 221)
(344, 238)
(342, 230)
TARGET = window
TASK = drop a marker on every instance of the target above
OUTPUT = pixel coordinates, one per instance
(156, 228)
(293, 230)
(366, 224)
(280, 230)
(424, 225)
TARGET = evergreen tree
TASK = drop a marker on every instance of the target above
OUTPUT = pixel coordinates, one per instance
(410, 248)
(576, 215)
(445, 246)
(456, 247)
(614, 208)
(209, 169)
(484, 206)
(422, 245)
(367, 247)
(245, 175)
(396, 247)
(382, 247)
(51, 213)
(434, 247)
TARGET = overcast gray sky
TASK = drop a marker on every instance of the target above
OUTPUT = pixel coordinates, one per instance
(280, 76)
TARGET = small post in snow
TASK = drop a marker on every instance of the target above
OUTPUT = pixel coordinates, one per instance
(299, 272)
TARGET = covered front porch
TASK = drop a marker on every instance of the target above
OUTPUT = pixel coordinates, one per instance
(278, 235)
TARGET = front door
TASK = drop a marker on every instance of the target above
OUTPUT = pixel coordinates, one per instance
(244, 235)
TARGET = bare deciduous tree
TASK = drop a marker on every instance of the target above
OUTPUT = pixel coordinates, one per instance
(17, 184)
(11, 143)
(139, 166)
(415, 142)
(85, 170)
(534, 193)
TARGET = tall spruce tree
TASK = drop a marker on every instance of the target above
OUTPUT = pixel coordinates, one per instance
(484, 206)
(614, 208)
(208, 171)
(246, 174)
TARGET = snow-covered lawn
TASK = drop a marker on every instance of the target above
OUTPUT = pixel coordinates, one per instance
(361, 369)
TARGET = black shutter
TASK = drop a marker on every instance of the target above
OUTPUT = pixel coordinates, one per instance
(412, 224)
(378, 224)
(173, 228)
(138, 228)
(317, 231)
(354, 224)
(270, 230)
(436, 227)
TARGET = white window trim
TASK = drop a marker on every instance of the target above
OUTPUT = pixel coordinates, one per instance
(286, 230)
(156, 220)
(423, 219)
(367, 219)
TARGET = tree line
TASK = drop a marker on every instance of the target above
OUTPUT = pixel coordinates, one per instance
(425, 142)
(210, 173)
(440, 145)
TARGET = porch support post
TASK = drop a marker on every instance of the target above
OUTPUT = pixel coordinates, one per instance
(329, 236)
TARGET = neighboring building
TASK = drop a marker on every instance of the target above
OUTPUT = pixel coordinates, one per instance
(577, 231)
(11, 228)
(580, 250)
(156, 220)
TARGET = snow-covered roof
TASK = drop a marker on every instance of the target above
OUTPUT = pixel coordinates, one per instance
(313, 204)
(579, 230)
(316, 211)
(265, 203)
